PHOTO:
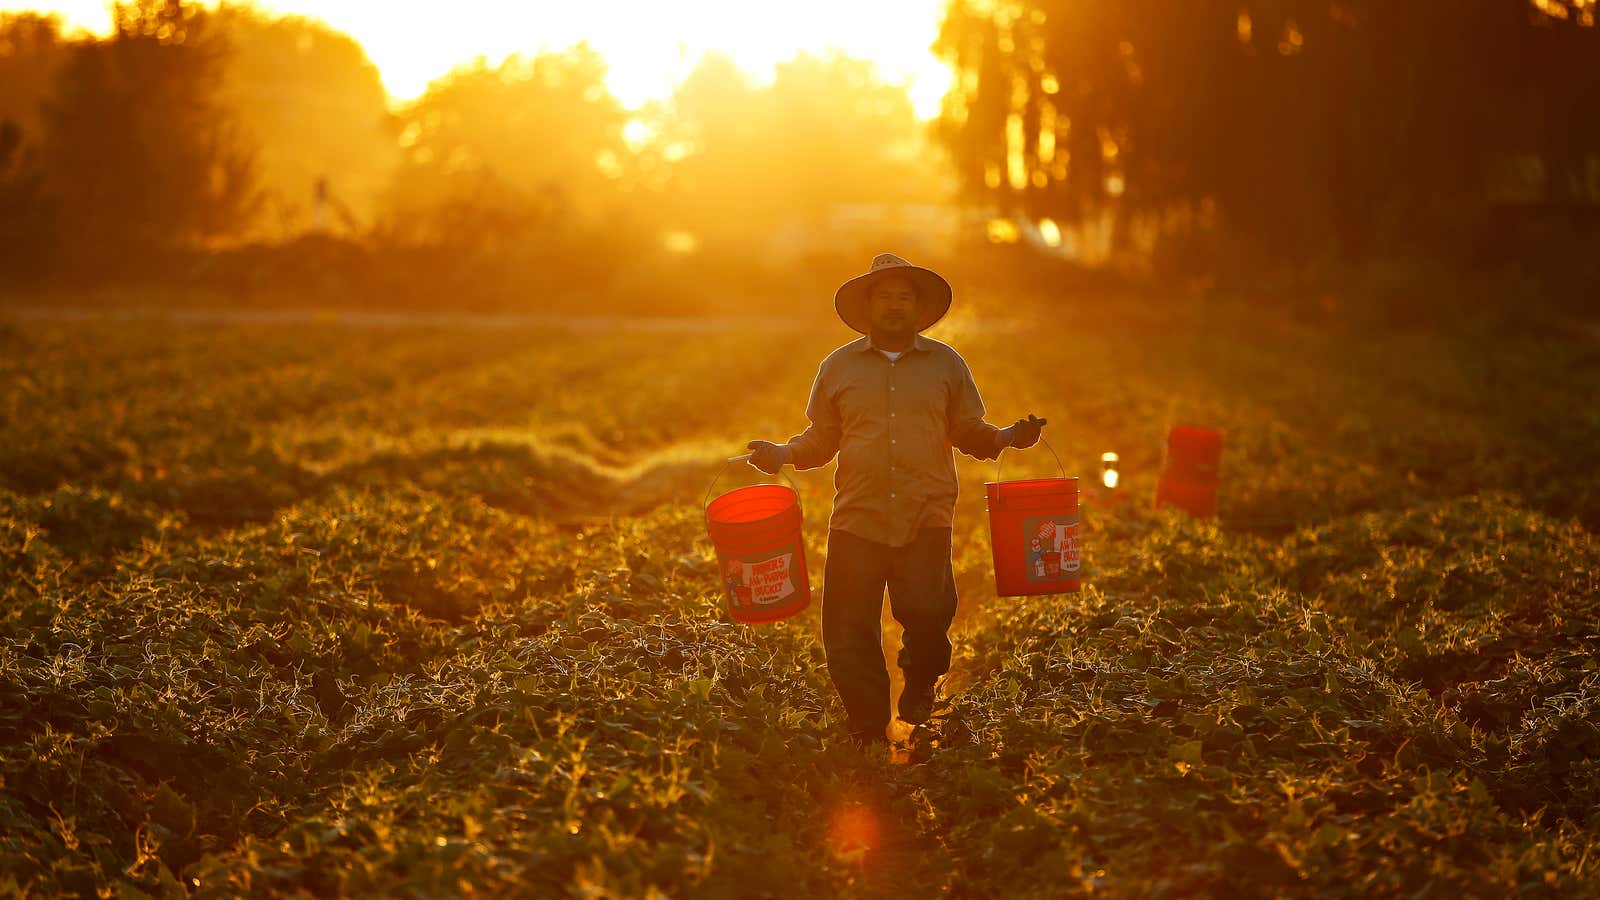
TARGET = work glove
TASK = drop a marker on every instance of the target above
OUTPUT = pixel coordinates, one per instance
(1023, 433)
(767, 456)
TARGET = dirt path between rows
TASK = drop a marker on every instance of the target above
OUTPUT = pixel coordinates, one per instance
(401, 318)
(595, 324)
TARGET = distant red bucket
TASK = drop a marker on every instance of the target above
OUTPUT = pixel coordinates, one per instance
(1033, 532)
(1193, 470)
(760, 555)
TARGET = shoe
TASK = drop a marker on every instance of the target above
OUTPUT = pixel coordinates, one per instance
(866, 740)
(916, 701)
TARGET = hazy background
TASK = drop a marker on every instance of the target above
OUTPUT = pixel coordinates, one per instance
(232, 156)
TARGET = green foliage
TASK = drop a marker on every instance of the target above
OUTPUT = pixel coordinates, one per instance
(326, 610)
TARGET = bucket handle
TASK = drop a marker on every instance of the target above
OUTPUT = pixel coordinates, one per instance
(705, 502)
(1000, 465)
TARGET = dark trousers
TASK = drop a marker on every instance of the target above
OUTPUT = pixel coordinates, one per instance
(922, 597)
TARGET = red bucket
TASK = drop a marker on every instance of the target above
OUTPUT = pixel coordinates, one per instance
(1033, 532)
(1193, 470)
(761, 558)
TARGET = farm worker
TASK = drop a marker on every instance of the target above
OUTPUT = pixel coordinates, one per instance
(891, 405)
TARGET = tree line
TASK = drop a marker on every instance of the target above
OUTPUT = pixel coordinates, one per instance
(202, 137)
(1302, 126)
(263, 151)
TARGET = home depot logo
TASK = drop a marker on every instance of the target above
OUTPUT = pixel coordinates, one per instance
(761, 582)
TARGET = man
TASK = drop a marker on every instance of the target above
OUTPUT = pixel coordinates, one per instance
(891, 405)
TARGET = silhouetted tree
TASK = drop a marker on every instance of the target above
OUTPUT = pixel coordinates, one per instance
(139, 154)
(28, 226)
(32, 51)
(1303, 124)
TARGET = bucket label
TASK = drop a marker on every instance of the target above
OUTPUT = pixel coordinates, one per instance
(759, 581)
(1051, 545)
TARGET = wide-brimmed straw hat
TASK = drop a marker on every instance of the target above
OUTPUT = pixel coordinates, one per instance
(933, 292)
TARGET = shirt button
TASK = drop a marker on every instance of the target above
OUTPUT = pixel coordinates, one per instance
(891, 496)
(891, 440)
(891, 387)
(891, 415)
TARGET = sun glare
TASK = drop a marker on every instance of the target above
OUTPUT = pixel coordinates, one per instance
(648, 46)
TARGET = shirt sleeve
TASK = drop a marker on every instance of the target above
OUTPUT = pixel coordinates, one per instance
(969, 433)
(818, 444)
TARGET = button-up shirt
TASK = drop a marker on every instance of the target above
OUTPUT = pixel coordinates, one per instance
(893, 424)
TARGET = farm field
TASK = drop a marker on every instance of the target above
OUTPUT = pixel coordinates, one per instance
(430, 611)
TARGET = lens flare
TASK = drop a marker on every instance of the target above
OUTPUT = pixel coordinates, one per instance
(854, 830)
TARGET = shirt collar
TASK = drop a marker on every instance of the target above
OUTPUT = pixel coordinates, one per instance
(918, 342)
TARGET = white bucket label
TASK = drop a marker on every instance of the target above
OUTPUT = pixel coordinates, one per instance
(759, 581)
(1050, 548)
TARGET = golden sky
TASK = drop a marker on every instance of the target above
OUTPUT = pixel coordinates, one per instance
(649, 44)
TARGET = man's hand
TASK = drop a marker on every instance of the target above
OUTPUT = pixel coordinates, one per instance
(1023, 433)
(767, 456)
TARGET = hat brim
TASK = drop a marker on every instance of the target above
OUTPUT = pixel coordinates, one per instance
(933, 296)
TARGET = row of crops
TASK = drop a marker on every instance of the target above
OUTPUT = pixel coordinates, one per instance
(430, 612)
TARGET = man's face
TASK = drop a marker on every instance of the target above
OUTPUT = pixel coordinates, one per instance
(892, 305)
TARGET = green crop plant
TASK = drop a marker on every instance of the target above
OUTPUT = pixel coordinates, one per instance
(403, 611)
